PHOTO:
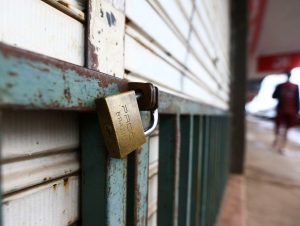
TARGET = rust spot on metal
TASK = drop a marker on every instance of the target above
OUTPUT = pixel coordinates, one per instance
(66, 182)
(12, 73)
(54, 187)
(92, 56)
(92, 59)
(67, 94)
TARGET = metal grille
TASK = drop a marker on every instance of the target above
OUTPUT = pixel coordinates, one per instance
(193, 144)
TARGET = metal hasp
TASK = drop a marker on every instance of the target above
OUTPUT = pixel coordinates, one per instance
(120, 119)
(147, 95)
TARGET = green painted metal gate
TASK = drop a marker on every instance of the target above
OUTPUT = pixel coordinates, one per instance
(193, 144)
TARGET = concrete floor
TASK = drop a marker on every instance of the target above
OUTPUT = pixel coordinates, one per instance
(272, 179)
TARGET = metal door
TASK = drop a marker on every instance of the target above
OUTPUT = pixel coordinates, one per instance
(193, 142)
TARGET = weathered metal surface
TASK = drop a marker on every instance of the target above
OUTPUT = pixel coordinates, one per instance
(168, 159)
(104, 52)
(141, 185)
(31, 80)
(103, 180)
(137, 189)
(105, 38)
(176, 170)
(116, 191)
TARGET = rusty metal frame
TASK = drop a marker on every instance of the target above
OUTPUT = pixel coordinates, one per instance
(34, 81)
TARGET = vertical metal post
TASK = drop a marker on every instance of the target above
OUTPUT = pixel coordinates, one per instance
(185, 169)
(169, 143)
(137, 186)
(93, 173)
(113, 172)
(196, 174)
(205, 169)
(238, 55)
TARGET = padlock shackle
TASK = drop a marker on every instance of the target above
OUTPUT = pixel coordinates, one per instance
(154, 121)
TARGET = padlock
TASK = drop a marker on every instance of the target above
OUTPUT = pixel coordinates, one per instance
(121, 123)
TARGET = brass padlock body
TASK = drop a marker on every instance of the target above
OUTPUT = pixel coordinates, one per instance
(120, 123)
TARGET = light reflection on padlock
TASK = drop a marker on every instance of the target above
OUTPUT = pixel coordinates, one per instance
(121, 123)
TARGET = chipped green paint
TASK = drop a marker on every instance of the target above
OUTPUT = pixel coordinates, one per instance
(116, 191)
(39, 84)
(141, 185)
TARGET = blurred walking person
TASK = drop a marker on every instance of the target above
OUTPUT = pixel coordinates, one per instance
(287, 95)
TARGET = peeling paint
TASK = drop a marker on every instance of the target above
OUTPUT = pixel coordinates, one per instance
(31, 84)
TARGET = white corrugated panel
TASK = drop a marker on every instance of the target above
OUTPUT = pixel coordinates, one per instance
(170, 41)
(40, 157)
(144, 62)
(34, 25)
(144, 16)
(22, 174)
(30, 133)
(52, 204)
(40, 163)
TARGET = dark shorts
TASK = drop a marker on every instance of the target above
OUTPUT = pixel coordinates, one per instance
(286, 120)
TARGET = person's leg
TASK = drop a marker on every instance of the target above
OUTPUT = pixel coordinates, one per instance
(283, 142)
(290, 120)
(276, 131)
